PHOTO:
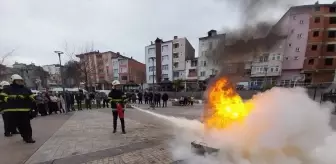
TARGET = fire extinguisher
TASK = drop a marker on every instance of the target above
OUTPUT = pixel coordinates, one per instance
(120, 111)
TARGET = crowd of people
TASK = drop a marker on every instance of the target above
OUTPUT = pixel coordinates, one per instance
(18, 105)
(149, 98)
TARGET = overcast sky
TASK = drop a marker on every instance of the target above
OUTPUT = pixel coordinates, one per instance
(36, 28)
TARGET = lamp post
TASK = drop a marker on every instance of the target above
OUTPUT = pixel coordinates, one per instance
(59, 53)
(153, 104)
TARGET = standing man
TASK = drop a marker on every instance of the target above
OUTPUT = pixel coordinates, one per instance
(18, 102)
(79, 99)
(5, 116)
(165, 99)
(117, 98)
(140, 97)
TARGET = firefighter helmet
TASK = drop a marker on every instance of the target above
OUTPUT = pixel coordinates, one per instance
(3, 84)
(115, 82)
(16, 77)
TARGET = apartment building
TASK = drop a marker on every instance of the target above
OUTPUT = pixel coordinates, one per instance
(167, 59)
(127, 69)
(54, 74)
(320, 63)
(191, 69)
(99, 69)
(282, 62)
(207, 65)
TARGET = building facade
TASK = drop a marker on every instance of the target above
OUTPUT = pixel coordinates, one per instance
(167, 59)
(54, 78)
(191, 69)
(320, 62)
(99, 69)
(208, 66)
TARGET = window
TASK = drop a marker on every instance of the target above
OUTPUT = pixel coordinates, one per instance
(204, 63)
(176, 64)
(273, 57)
(165, 57)
(151, 50)
(203, 73)
(297, 49)
(277, 69)
(317, 19)
(296, 58)
(316, 33)
(330, 47)
(310, 61)
(272, 69)
(317, 8)
(301, 21)
(175, 55)
(176, 45)
(164, 76)
(331, 34)
(115, 78)
(294, 17)
(332, 20)
(278, 57)
(299, 36)
(123, 77)
(328, 61)
(286, 57)
(314, 47)
(265, 58)
(261, 59)
(176, 74)
(165, 67)
(332, 9)
(164, 48)
(151, 69)
(152, 77)
(290, 44)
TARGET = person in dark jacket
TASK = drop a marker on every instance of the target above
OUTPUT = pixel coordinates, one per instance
(157, 99)
(79, 99)
(18, 102)
(140, 97)
(150, 98)
(146, 97)
(116, 97)
(164, 99)
(5, 116)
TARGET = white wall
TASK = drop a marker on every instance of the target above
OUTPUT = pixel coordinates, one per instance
(115, 69)
(203, 56)
(51, 69)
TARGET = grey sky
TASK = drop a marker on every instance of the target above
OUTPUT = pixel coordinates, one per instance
(38, 27)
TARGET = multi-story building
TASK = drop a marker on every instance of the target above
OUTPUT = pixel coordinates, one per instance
(167, 60)
(127, 69)
(191, 69)
(207, 65)
(320, 63)
(282, 62)
(54, 78)
(100, 69)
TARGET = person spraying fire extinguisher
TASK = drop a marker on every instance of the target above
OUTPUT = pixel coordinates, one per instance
(117, 101)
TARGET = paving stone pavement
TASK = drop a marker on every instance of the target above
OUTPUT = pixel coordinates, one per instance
(154, 155)
(91, 131)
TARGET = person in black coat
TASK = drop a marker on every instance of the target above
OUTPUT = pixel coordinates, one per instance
(140, 97)
(164, 99)
(146, 97)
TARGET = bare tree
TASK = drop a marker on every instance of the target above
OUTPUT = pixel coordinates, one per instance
(3, 58)
(81, 70)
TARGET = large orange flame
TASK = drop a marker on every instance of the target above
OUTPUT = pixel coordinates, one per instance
(224, 106)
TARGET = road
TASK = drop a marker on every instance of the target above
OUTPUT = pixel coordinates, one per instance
(86, 137)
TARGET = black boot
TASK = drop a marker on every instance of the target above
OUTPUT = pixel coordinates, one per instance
(29, 140)
(114, 131)
(123, 132)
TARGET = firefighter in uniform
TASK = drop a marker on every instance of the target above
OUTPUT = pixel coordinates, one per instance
(18, 102)
(5, 115)
(117, 99)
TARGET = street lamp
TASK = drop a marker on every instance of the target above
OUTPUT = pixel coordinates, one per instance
(153, 104)
(59, 53)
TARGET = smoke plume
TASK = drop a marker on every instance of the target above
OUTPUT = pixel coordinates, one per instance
(284, 127)
(254, 34)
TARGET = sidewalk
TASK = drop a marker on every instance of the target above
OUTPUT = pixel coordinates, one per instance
(87, 136)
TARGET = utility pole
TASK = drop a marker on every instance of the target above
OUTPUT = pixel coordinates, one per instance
(59, 53)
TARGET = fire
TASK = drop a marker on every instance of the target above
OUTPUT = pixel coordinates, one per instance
(224, 106)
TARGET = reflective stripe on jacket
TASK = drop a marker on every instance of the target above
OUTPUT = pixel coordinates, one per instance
(17, 98)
